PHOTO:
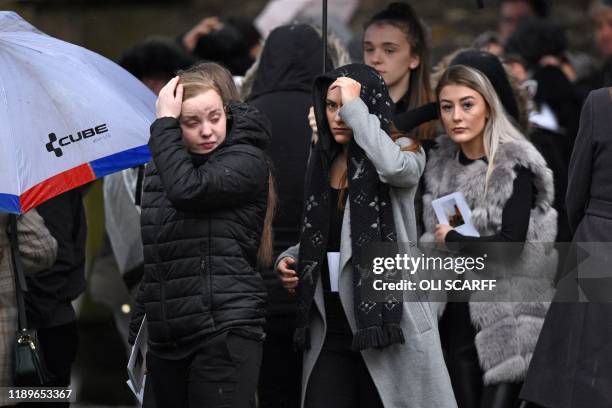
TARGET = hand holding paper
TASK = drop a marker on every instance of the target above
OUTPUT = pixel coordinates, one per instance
(452, 210)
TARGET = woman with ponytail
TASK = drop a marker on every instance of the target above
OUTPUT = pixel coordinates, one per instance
(206, 221)
(360, 185)
(395, 44)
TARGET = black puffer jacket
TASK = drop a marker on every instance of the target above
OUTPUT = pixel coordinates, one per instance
(202, 219)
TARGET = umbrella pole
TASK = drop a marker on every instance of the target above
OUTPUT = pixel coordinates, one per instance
(324, 29)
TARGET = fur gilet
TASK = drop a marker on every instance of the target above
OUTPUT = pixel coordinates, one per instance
(507, 332)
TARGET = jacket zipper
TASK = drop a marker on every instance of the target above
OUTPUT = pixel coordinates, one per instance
(158, 270)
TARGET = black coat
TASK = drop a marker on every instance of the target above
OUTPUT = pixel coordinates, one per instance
(555, 90)
(50, 292)
(572, 363)
(290, 61)
(202, 220)
(598, 79)
(556, 149)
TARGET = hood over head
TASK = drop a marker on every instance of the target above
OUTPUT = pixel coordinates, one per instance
(492, 68)
(374, 94)
(291, 58)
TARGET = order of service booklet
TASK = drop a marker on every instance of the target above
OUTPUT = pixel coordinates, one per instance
(136, 366)
(453, 210)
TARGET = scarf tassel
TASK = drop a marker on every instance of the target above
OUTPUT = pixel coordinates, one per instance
(394, 333)
(377, 337)
(371, 337)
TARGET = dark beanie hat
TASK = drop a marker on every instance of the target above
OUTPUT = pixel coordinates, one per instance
(535, 38)
(492, 68)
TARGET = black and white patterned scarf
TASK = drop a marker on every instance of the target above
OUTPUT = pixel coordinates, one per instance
(371, 215)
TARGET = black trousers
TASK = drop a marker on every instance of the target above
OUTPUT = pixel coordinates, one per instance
(340, 378)
(281, 371)
(59, 346)
(457, 336)
(221, 374)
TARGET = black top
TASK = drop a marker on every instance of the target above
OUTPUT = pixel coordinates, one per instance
(337, 324)
(290, 60)
(516, 213)
(50, 292)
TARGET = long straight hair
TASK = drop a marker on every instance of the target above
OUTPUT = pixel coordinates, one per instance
(498, 128)
(209, 75)
(403, 17)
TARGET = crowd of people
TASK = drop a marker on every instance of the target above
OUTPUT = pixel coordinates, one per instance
(270, 165)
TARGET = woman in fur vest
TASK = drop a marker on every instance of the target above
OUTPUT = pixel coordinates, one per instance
(509, 188)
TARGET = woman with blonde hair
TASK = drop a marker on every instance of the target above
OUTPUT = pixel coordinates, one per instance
(509, 188)
(206, 222)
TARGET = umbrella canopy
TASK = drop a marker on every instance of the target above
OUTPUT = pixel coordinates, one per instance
(67, 116)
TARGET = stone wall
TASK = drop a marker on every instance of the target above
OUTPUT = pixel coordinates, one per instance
(110, 26)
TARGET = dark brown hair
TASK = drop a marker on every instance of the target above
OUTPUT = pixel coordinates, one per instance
(403, 16)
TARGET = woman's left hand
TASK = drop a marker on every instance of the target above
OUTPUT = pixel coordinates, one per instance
(441, 231)
(349, 89)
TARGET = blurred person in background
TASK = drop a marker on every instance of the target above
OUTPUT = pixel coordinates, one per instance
(556, 102)
(51, 292)
(395, 45)
(280, 85)
(155, 61)
(511, 12)
(489, 41)
(38, 251)
(232, 42)
(601, 15)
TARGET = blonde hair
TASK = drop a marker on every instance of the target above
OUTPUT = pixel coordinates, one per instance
(498, 128)
(209, 75)
(206, 76)
(519, 92)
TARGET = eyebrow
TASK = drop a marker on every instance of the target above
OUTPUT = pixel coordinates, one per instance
(385, 44)
(460, 100)
(195, 115)
(327, 100)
